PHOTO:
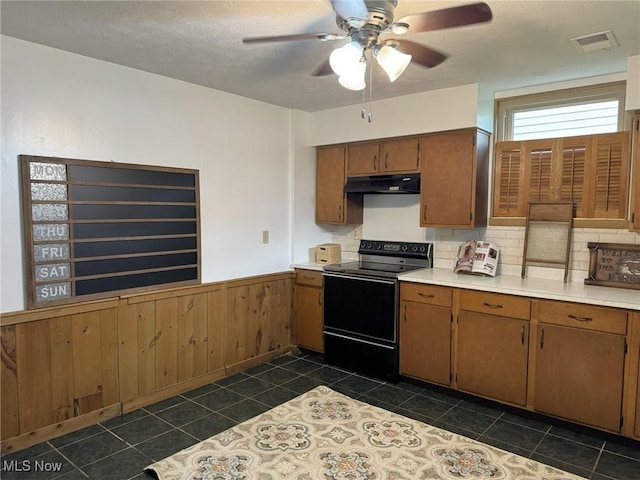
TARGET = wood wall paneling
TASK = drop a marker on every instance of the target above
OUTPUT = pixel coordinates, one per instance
(66, 367)
(9, 422)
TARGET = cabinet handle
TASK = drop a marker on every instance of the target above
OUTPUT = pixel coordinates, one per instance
(320, 298)
(425, 295)
(339, 212)
(522, 336)
(580, 319)
(386, 164)
(424, 212)
(405, 313)
(492, 305)
(375, 162)
(541, 338)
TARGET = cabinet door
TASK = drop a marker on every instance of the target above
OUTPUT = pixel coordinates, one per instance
(363, 159)
(425, 342)
(610, 165)
(332, 205)
(579, 375)
(308, 315)
(448, 167)
(508, 180)
(400, 156)
(492, 356)
(635, 183)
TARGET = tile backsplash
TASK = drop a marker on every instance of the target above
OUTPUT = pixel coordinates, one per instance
(510, 241)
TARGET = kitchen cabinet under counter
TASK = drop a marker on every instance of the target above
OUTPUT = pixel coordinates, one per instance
(529, 287)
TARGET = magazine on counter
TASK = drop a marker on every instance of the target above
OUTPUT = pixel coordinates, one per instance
(477, 257)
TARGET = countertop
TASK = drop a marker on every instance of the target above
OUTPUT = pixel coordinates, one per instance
(628, 299)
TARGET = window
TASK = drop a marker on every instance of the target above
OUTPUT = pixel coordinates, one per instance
(564, 113)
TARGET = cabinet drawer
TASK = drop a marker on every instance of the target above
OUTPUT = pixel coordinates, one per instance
(577, 315)
(495, 304)
(309, 277)
(432, 294)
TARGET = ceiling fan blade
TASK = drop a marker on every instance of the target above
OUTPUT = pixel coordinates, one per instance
(448, 17)
(323, 69)
(350, 8)
(299, 36)
(425, 56)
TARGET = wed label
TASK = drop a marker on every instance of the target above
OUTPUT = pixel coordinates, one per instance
(42, 212)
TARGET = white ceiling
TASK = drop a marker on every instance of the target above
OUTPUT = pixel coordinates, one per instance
(527, 43)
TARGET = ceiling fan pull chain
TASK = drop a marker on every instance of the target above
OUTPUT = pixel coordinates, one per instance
(370, 83)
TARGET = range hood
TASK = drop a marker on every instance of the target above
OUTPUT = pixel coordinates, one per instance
(409, 183)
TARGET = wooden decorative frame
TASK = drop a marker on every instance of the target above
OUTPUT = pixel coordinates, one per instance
(101, 229)
(614, 265)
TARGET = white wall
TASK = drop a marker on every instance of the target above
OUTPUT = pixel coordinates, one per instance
(306, 234)
(434, 111)
(59, 104)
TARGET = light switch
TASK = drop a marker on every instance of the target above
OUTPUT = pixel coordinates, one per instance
(265, 236)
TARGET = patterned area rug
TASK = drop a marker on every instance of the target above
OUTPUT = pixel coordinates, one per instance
(324, 435)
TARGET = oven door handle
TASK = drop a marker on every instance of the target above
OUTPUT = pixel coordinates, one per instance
(362, 278)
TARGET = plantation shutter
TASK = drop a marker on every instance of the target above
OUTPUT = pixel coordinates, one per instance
(540, 156)
(573, 175)
(508, 182)
(610, 164)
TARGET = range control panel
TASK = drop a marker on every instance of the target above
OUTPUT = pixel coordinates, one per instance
(396, 249)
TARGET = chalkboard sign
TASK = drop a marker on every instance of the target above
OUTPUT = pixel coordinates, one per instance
(614, 265)
(102, 229)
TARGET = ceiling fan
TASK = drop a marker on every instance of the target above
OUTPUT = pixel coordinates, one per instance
(367, 22)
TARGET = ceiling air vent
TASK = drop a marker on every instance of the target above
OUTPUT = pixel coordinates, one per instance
(595, 42)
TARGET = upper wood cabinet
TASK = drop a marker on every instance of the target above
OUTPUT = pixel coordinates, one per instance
(454, 177)
(592, 171)
(332, 204)
(387, 157)
(635, 179)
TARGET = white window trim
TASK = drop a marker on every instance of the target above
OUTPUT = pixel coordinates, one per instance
(571, 96)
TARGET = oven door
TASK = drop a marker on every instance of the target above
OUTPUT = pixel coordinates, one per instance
(361, 307)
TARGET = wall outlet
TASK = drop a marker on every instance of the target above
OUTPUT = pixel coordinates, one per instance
(265, 236)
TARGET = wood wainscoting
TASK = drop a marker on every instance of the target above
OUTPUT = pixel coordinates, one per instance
(64, 368)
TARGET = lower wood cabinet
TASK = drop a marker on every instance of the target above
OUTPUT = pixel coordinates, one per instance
(579, 364)
(493, 346)
(309, 310)
(425, 333)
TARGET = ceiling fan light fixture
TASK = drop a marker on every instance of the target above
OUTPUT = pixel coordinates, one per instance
(345, 59)
(392, 61)
(354, 79)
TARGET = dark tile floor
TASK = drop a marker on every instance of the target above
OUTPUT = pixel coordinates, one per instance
(121, 447)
